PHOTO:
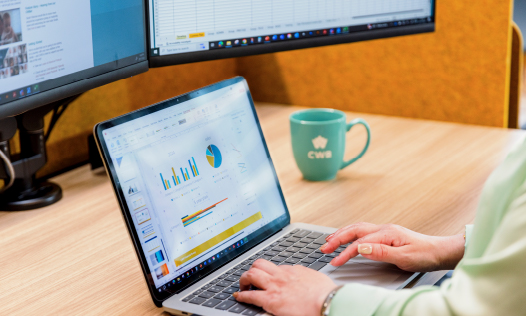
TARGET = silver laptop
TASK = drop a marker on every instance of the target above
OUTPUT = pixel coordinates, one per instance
(201, 201)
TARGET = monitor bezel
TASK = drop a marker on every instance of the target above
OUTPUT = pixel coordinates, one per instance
(257, 237)
(234, 52)
(83, 81)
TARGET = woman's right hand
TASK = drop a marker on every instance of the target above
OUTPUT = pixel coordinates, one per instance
(408, 250)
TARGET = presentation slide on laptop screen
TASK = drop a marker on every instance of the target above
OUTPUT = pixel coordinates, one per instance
(196, 178)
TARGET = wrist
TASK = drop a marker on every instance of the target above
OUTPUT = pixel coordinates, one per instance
(326, 306)
(450, 251)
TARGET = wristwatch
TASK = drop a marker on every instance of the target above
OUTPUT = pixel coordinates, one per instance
(326, 307)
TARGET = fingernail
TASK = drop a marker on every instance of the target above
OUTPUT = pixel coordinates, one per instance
(234, 294)
(323, 247)
(329, 237)
(365, 249)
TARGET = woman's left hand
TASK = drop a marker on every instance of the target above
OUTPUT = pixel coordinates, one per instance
(284, 290)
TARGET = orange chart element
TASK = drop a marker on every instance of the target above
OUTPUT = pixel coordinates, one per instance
(188, 219)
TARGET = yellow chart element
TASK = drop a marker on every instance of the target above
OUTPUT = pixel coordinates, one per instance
(217, 239)
(195, 35)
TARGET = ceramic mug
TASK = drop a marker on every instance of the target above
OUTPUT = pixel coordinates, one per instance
(318, 142)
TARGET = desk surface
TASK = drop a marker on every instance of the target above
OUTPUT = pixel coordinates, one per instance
(75, 256)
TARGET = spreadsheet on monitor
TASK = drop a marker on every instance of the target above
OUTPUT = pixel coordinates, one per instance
(180, 26)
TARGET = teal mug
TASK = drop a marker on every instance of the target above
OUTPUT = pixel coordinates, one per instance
(318, 142)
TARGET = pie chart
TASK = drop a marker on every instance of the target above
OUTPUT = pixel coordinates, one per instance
(213, 155)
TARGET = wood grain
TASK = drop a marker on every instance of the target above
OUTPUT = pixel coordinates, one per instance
(75, 257)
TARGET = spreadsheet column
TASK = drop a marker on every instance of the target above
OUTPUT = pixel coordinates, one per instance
(261, 13)
(282, 11)
(205, 15)
(232, 15)
(164, 18)
(185, 16)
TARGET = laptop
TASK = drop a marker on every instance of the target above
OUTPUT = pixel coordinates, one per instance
(201, 201)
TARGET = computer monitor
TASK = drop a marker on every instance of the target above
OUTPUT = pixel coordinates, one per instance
(50, 50)
(186, 31)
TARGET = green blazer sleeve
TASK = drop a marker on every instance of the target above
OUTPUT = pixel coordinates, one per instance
(489, 280)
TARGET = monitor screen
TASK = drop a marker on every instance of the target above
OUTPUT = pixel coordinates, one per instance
(197, 182)
(48, 44)
(188, 30)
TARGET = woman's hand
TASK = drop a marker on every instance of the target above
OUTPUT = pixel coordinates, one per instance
(284, 290)
(408, 250)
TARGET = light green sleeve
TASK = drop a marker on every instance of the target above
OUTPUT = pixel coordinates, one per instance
(489, 280)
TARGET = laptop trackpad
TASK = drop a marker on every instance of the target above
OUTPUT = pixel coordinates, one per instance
(365, 271)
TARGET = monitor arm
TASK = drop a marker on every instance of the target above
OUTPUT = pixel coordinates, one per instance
(27, 192)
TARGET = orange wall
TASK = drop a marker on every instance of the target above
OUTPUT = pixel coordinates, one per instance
(458, 74)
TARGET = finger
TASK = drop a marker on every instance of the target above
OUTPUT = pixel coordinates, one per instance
(349, 234)
(257, 298)
(255, 277)
(381, 252)
(266, 266)
(350, 252)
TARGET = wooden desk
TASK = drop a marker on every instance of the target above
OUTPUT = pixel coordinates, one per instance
(75, 257)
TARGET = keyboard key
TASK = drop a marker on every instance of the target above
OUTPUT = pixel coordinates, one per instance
(340, 249)
(325, 259)
(307, 240)
(300, 244)
(272, 253)
(295, 231)
(216, 289)
(238, 308)
(215, 281)
(254, 257)
(302, 233)
(211, 302)
(317, 265)
(313, 246)
(293, 249)
(222, 276)
(315, 235)
(319, 241)
(198, 292)
(292, 260)
(293, 239)
(186, 299)
(285, 244)
(251, 311)
(231, 298)
(225, 305)
(308, 260)
(299, 255)
(315, 255)
(332, 255)
(224, 283)
(307, 251)
(278, 249)
(267, 248)
(230, 290)
(286, 254)
(286, 264)
(206, 286)
(207, 294)
(302, 264)
(266, 257)
(198, 300)
(231, 278)
(222, 296)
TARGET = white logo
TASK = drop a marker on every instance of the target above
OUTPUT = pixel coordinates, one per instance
(320, 143)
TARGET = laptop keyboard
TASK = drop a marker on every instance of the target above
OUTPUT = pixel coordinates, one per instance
(299, 247)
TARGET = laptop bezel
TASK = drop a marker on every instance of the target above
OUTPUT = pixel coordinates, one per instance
(258, 236)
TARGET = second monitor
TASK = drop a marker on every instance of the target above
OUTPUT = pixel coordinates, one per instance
(190, 31)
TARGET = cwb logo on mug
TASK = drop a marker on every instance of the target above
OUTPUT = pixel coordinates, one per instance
(320, 143)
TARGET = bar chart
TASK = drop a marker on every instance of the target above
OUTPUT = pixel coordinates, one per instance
(189, 219)
(185, 175)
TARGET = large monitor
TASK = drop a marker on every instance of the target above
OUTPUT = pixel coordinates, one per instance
(50, 50)
(186, 31)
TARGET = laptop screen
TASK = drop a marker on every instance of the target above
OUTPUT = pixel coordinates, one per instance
(196, 181)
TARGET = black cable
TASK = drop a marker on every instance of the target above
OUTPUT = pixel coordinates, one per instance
(57, 113)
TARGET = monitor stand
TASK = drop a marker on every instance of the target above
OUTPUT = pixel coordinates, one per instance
(27, 192)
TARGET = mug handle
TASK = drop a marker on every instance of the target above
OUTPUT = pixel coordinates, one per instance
(351, 124)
